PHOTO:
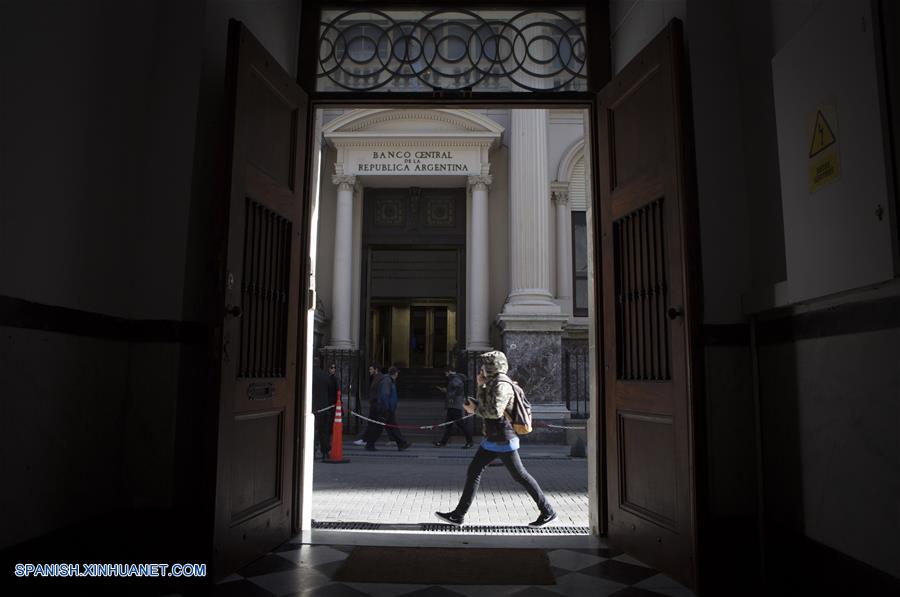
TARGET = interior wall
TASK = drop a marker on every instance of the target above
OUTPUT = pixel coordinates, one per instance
(633, 23)
(723, 173)
(829, 394)
(97, 134)
(104, 197)
(62, 436)
(831, 405)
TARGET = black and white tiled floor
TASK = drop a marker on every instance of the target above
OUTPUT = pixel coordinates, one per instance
(299, 569)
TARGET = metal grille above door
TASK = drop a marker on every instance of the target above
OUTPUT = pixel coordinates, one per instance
(423, 50)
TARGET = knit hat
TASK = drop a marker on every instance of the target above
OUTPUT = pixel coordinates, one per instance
(494, 362)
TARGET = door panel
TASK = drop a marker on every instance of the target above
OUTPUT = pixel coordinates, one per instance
(428, 337)
(260, 308)
(649, 313)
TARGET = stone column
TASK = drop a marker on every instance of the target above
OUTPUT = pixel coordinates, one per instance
(341, 299)
(479, 284)
(560, 196)
(529, 232)
(532, 321)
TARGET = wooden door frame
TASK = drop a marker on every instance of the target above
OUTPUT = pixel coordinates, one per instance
(599, 74)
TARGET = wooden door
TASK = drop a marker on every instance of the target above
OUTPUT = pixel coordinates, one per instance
(261, 305)
(648, 238)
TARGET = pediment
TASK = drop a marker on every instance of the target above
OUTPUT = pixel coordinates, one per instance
(406, 122)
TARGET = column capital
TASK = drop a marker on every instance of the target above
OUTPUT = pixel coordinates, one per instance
(559, 192)
(480, 182)
(344, 182)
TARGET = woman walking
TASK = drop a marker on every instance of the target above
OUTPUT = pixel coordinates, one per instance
(500, 441)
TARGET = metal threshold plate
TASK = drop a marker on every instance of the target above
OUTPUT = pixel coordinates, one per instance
(446, 528)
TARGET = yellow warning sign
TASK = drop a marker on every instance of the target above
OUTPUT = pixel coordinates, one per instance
(824, 163)
(822, 135)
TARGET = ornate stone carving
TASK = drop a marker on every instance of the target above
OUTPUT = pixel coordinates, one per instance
(389, 212)
(344, 182)
(481, 182)
(440, 213)
(559, 192)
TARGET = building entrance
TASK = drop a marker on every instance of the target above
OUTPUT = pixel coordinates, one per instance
(414, 243)
(413, 335)
(417, 337)
(428, 346)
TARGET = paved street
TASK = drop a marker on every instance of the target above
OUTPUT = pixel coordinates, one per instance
(392, 487)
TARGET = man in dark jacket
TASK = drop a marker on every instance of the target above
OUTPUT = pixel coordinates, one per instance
(385, 410)
(322, 398)
(375, 376)
(456, 397)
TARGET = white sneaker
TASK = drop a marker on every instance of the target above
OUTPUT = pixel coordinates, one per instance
(359, 442)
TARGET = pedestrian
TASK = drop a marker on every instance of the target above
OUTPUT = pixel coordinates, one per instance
(333, 385)
(456, 398)
(375, 376)
(386, 412)
(322, 399)
(495, 392)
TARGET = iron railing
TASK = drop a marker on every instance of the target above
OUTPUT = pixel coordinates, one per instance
(353, 381)
(576, 387)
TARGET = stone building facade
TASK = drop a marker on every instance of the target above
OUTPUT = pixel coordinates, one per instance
(445, 233)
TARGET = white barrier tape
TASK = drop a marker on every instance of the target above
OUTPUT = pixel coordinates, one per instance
(444, 424)
(321, 410)
(425, 427)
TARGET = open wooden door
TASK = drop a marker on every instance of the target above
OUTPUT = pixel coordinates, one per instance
(650, 308)
(261, 305)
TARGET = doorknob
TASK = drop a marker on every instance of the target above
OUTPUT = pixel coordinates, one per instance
(233, 310)
(674, 313)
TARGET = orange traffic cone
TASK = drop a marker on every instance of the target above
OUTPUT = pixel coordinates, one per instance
(337, 435)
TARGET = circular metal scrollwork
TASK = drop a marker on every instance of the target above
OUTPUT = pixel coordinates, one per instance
(366, 50)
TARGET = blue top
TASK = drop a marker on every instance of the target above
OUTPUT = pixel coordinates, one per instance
(387, 394)
(511, 446)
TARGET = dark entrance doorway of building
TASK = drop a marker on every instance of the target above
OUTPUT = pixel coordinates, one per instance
(414, 280)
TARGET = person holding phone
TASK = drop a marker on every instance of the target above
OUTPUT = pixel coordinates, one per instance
(456, 397)
(499, 441)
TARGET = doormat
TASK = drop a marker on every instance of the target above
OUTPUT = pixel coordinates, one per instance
(447, 566)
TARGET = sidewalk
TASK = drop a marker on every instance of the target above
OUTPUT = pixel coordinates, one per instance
(392, 487)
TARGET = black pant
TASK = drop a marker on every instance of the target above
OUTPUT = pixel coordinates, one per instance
(452, 415)
(514, 465)
(373, 430)
(367, 430)
(324, 422)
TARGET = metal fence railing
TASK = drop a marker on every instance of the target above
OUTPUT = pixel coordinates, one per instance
(353, 381)
(576, 388)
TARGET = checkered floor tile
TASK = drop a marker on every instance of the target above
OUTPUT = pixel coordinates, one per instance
(301, 570)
